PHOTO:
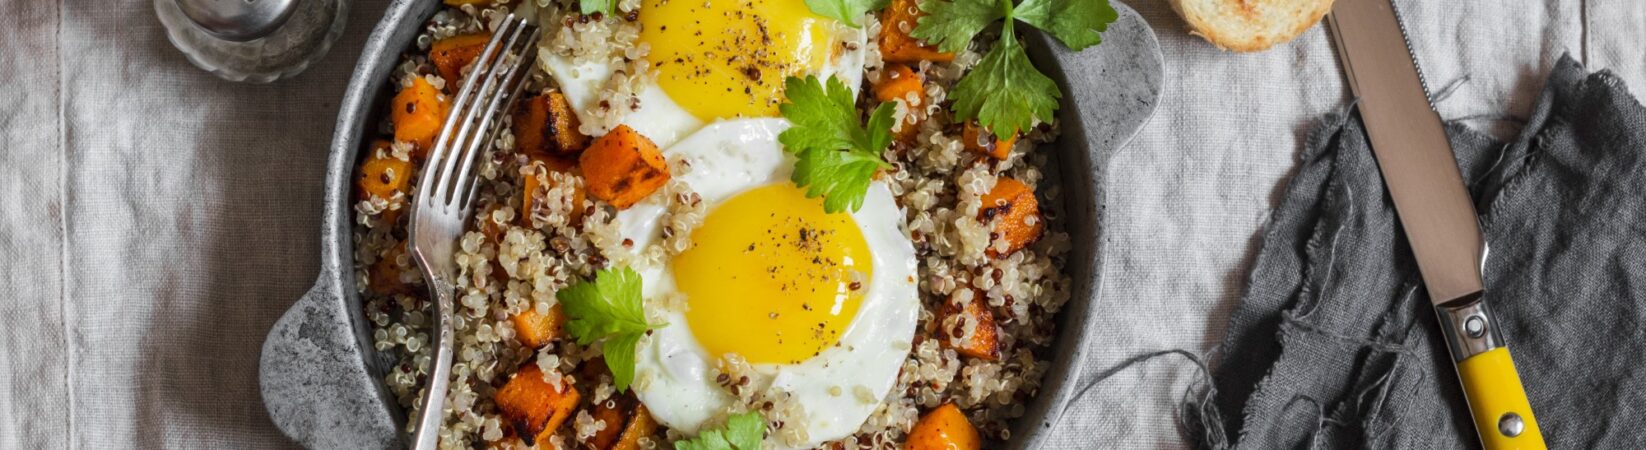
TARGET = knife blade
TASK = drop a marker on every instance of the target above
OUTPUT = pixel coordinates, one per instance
(1435, 211)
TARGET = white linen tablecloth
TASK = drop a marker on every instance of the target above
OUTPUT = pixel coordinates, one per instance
(155, 221)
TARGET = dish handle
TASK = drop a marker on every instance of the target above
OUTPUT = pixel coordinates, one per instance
(314, 379)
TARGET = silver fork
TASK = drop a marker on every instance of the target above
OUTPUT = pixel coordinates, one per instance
(446, 190)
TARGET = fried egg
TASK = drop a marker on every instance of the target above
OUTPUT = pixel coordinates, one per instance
(712, 60)
(822, 306)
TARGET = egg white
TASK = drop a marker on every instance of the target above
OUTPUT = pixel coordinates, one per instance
(659, 117)
(674, 374)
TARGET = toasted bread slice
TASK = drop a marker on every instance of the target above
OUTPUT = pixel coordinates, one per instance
(1250, 25)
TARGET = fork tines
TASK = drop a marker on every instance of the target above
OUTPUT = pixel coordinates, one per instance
(495, 79)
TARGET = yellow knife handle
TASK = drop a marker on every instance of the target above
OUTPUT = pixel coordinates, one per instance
(1503, 415)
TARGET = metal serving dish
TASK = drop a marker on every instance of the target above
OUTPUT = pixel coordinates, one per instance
(321, 379)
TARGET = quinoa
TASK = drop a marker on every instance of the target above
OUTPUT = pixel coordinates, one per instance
(515, 256)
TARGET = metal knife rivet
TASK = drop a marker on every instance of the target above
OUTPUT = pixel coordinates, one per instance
(1475, 326)
(1511, 425)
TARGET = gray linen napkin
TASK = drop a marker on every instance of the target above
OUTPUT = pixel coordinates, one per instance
(1334, 344)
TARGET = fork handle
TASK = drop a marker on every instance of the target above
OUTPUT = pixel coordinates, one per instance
(433, 402)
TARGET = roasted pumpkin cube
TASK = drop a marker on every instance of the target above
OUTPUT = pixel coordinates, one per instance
(614, 413)
(383, 277)
(984, 342)
(417, 113)
(546, 125)
(641, 424)
(451, 55)
(386, 177)
(982, 141)
(532, 406)
(896, 45)
(536, 330)
(626, 421)
(382, 175)
(534, 185)
(623, 167)
(944, 428)
(900, 83)
(1019, 222)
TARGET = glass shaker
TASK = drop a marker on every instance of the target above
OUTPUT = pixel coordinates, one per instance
(285, 47)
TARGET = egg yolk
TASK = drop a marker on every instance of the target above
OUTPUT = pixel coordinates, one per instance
(727, 58)
(772, 277)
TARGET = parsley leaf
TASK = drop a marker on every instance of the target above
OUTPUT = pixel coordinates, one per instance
(841, 177)
(823, 119)
(608, 307)
(836, 156)
(742, 432)
(951, 25)
(619, 353)
(880, 128)
(745, 431)
(846, 11)
(1075, 22)
(1004, 92)
(587, 7)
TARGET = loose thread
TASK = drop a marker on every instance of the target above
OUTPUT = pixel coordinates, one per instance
(1201, 409)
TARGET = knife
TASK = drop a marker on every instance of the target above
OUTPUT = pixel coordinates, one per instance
(1435, 211)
